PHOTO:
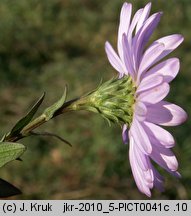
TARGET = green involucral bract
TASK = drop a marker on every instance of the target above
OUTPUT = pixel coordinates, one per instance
(113, 99)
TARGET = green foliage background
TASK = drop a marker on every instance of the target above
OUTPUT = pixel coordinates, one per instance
(47, 44)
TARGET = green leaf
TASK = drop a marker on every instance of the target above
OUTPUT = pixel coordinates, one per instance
(50, 111)
(26, 119)
(7, 189)
(10, 151)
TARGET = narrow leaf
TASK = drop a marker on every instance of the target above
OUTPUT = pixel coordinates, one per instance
(50, 111)
(10, 151)
(26, 119)
(53, 135)
(7, 189)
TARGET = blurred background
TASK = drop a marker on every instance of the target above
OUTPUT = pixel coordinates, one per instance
(47, 44)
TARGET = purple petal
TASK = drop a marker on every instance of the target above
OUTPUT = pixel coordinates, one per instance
(142, 37)
(149, 82)
(171, 42)
(133, 24)
(130, 33)
(164, 157)
(149, 58)
(125, 134)
(154, 95)
(138, 173)
(168, 69)
(140, 137)
(158, 135)
(140, 111)
(167, 114)
(158, 180)
(141, 159)
(125, 17)
(128, 57)
(113, 58)
(145, 175)
(144, 16)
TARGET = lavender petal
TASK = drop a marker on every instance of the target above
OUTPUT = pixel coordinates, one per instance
(155, 94)
(168, 69)
(165, 113)
(113, 58)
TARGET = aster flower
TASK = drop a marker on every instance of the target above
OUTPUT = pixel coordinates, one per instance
(149, 76)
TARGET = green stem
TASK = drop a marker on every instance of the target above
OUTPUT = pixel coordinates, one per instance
(33, 124)
(26, 131)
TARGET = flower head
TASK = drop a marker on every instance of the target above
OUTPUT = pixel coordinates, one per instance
(150, 76)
